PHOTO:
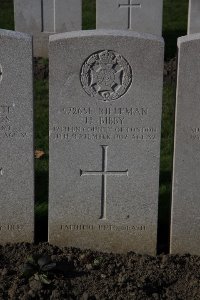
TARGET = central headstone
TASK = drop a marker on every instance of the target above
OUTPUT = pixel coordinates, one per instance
(105, 117)
(44, 17)
(137, 15)
(16, 137)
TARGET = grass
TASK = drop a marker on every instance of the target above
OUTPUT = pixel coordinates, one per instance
(174, 25)
(166, 164)
(175, 14)
(41, 165)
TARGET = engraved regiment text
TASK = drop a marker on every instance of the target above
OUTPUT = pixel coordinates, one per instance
(108, 123)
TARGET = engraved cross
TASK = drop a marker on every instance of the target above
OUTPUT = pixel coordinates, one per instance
(45, 28)
(130, 5)
(104, 173)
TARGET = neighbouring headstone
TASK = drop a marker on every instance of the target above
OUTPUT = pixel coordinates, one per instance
(105, 118)
(16, 136)
(185, 229)
(194, 16)
(138, 15)
(44, 17)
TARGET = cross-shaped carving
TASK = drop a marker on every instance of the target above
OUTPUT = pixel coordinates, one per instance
(43, 29)
(130, 5)
(104, 173)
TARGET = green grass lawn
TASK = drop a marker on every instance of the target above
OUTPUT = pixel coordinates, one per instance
(174, 25)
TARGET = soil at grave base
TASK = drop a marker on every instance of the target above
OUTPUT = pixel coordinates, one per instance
(41, 70)
(94, 275)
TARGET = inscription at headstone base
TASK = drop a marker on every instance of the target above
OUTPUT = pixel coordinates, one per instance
(137, 15)
(45, 17)
(105, 115)
(16, 135)
(194, 16)
(185, 227)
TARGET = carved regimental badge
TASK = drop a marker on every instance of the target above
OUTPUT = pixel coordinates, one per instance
(106, 75)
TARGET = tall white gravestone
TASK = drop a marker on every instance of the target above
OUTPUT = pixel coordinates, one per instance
(105, 115)
(16, 136)
(138, 15)
(194, 16)
(44, 17)
(185, 229)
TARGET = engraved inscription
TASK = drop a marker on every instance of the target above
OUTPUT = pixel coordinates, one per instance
(69, 133)
(8, 129)
(104, 173)
(10, 227)
(115, 111)
(88, 227)
(130, 6)
(106, 75)
(104, 123)
(1, 171)
(195, 133)
(1, 73)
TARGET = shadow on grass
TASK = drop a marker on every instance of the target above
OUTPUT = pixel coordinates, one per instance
(41, 207)
(170, 38)
(164, 212)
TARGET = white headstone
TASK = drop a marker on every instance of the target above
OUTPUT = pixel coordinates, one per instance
(185, 237)
(44, 17)
(137, 15)
(194, 16)
(16, 136)
(105, 117)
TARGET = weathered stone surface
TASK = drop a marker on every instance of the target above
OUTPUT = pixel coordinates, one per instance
(194, 16)
(16, 135)
(186, 181)
(44, 17)
(105, 115)
(138, 15)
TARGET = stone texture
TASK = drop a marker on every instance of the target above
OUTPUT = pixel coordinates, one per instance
(138, 15)
(105, 115)
(44, 17)
(194, 16)
(185, 229)
(16, 135)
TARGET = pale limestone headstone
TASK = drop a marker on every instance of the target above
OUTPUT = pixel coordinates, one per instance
(105, 117)
(185, 237)
(16, 136)
(138, 15)
(194, 16)
(44, 17)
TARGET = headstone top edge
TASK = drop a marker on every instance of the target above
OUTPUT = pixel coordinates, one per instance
(188, 38)
(100, 32)
(15, 34)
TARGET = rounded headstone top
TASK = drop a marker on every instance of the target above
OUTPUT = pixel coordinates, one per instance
(15, 34)
(101, 32)
(188, 38)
